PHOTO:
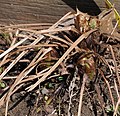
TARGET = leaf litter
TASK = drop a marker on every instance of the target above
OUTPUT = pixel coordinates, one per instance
(62, 68)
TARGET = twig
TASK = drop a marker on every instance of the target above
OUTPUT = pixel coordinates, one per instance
(52, 30)
(116, 108)
(115, 64)
(116, 88)
(85, 77)
(113, 30)
(108, 85)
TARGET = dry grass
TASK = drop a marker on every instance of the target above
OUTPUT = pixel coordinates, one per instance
(34, 54)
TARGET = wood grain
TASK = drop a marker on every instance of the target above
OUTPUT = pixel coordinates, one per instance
(37, 11)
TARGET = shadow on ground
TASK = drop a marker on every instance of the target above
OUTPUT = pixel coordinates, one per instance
(86, 6)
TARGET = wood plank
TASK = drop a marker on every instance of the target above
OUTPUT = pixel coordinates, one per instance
(35, 11)
(46, 10)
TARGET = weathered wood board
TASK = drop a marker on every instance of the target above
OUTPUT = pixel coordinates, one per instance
(36, 11)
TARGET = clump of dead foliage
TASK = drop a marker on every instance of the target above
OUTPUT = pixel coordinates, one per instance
(68, 66)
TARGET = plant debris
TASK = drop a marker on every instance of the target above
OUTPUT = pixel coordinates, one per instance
(62, 69)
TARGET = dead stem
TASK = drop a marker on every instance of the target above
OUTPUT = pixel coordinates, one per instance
(115, 64)
(109, 88)
(85, 77)
(116, 108)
